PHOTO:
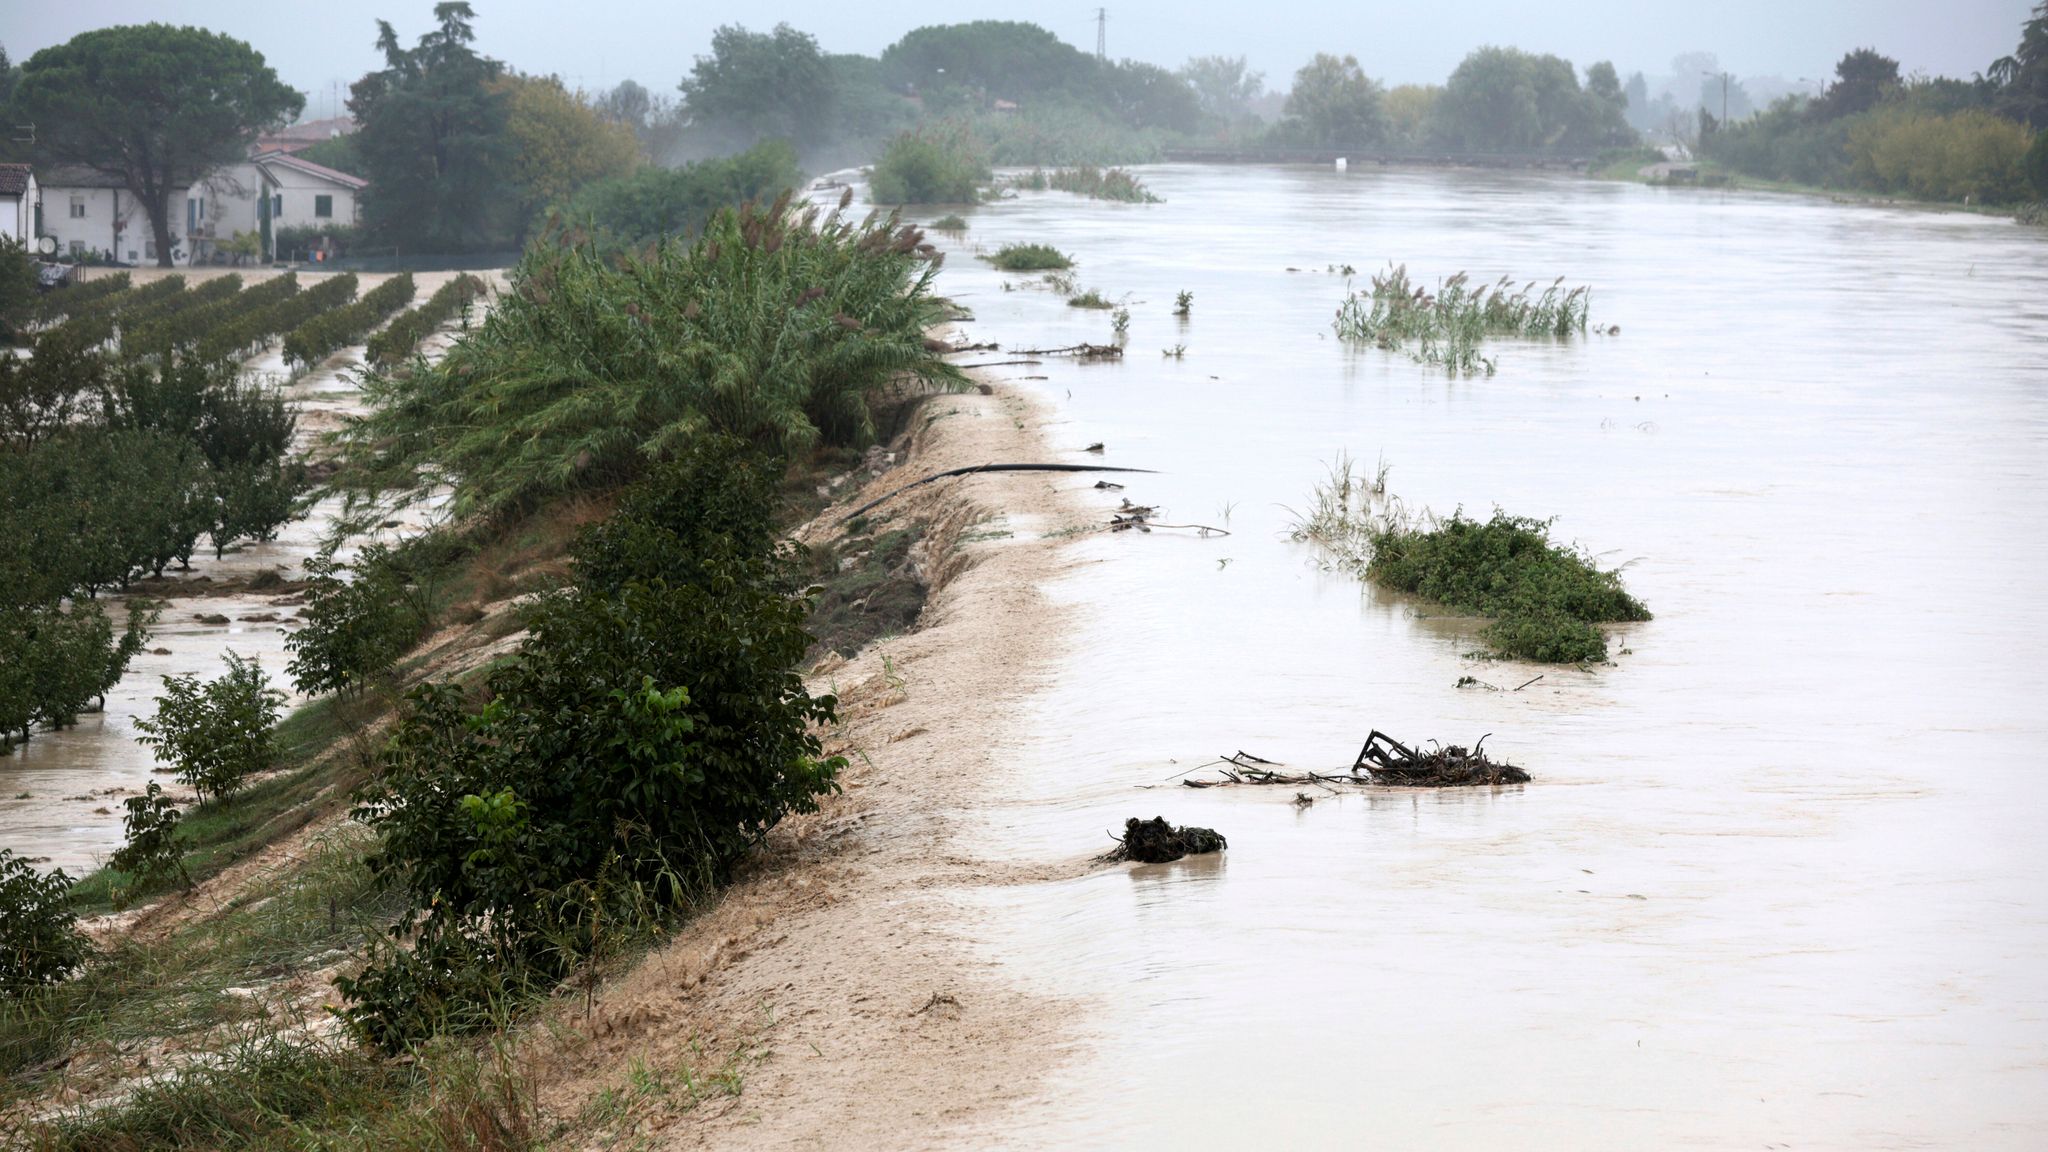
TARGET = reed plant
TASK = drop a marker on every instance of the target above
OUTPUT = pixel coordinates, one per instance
(1101, 184)
(1030, 258)
(1446, 328)
(778, 325)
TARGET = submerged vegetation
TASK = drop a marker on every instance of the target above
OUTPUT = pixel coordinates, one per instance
(1546, 600)
(933, 165)
(1446, 328)
(1030, 258)
(1090, 181)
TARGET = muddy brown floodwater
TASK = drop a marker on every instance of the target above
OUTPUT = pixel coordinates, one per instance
(1779, 881)
(61, 793)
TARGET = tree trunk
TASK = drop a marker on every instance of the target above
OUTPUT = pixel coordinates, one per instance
(159, 209)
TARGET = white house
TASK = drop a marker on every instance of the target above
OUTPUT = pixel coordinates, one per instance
(90, 212)
(18, 200)
(310, 194)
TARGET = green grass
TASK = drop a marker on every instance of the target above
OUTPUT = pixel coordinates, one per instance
(875, 594)
(1545, 599)
(1030, 258)
(1101, 184)
(1089, 299)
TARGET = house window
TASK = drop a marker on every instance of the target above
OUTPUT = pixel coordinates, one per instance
(277, 206)
(323, 206)
(149, 249)
(78, 207)
(78, 249)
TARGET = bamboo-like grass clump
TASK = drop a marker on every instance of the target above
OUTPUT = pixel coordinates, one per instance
(1446, 328)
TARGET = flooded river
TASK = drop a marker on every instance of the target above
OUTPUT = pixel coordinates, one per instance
(1779, 879)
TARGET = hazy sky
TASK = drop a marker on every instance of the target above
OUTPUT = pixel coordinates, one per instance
(598, 42)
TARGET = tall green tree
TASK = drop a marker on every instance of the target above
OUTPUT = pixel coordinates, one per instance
(761, 86)
(431, 134)
(1223, 86)
(1334, 102)
(1863, 78)
(1505, 99)
(1001, 59)
(2023, 76)
(156, 106)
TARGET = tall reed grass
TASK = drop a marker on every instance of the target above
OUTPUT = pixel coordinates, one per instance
(1447, 327)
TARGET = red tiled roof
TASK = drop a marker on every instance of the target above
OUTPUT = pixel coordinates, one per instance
(14, 179)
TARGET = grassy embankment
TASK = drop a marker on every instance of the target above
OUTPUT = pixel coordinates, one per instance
(225, 996)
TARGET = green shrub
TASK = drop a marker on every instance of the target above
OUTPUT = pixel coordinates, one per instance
(651, 732)
(1545, 598)
(932, 165)
(655, 202)
(78, 295)
(328, 333)
(356, 627)
(18, 291)
(398, 339)
(1097, 184)
(1970, 155)
(151, 854)
(233, 339)
(1030, 258)
(39, 939)
(217, 735)
(951, 222)
(185, 330)
(1090, 299)
(2037, 166)
(776, 326)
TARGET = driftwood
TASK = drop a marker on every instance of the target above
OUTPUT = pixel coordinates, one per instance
(1383, 760)
(1388, 761)
(1129, 517)
(1155, 841)
(1079, 351)
(968, 471)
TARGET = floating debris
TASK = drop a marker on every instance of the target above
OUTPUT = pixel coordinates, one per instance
(1155, 841)
(1383, 760)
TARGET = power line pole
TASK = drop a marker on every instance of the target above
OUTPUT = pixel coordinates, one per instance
(1102, 33)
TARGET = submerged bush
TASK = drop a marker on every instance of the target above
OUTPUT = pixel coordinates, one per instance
(1545, 598)
(1030, 258)
(932, 165)
(39, 939)
(218, 734)
(1098, 184)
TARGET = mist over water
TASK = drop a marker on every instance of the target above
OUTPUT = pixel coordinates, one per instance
(1777, 880)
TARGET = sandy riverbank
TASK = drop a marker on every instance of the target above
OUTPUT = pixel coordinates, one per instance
(837, 979)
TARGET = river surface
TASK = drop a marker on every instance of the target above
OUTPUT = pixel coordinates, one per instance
(1779, 881)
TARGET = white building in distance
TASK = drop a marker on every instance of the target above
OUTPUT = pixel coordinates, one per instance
(232, 214)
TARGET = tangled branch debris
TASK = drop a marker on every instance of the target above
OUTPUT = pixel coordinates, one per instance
(1078, 351)
(1155, 841)
(1383, 760)
(1388, 761)
(880, 500)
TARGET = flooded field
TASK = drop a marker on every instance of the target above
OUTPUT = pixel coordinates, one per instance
(61, 793)
(1777, 882)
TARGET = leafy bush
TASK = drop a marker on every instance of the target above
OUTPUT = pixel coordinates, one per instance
(1546, 599)
(219, 734)
(1097, 184)
(650, 734)
(2037, 165)
(1971, 155)
(951, 222)
(325, 334)
(1030, 258)
(235, 338)
(78, 295)
(17, 288)
(932, 165)
(39, 939)
(398, 338)
(775, 326)
(654, 202)
(355, 628)
(151, 854)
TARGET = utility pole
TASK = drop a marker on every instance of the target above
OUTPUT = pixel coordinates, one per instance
(1724, 77)
(1102, 33)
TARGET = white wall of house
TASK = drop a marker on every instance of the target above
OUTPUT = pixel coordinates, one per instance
(18, 215)
(85, 220)
(111, 220)
(302, 196)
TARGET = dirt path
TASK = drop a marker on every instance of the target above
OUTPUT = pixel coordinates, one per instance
(835, 984)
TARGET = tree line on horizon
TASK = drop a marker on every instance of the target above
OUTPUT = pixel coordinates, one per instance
(466, 154)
